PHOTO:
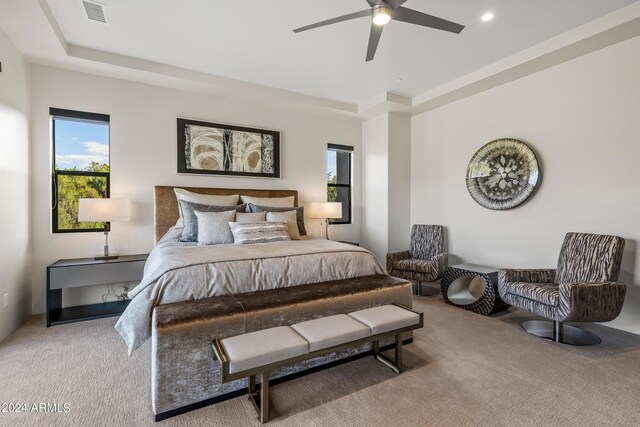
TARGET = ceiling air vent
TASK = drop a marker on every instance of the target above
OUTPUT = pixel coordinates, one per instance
(95, 11)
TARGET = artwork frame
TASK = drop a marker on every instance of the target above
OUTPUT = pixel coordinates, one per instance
(503, 174)
(220, 149)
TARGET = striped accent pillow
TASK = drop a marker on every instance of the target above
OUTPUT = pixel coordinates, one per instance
(259, 232)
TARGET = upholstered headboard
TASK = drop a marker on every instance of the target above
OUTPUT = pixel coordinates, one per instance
(166, 206)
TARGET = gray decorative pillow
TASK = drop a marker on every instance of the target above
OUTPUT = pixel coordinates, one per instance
(290, 218)
(190, 230)
(213, 227)
(299, 214)
(203, 199)
(259, 232)
(251, 217)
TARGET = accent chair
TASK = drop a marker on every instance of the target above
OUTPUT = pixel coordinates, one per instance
(583, 288)
(424, 261)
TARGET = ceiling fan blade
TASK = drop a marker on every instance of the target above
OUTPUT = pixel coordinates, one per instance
(342, 18)
(414, 17)
(395, 3)
(374, 38)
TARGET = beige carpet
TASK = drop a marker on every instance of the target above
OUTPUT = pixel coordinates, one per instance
(463, 369)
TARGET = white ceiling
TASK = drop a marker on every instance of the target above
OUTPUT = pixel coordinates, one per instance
(251, 40)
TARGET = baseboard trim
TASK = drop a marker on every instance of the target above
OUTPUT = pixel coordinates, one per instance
(241, 392)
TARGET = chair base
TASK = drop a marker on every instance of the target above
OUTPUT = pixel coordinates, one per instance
(425, 291)
(559, 332)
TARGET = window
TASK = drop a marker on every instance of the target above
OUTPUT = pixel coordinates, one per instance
(339, 179)
(80, 166)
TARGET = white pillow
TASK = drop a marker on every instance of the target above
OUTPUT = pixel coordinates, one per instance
(251, 217)
(213, 227)
(290, 218)
(272, 202)
(203, 199)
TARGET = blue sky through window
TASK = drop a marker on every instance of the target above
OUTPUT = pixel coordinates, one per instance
(331, 162)
(77, 144)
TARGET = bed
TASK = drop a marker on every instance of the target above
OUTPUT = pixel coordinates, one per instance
(180, 276)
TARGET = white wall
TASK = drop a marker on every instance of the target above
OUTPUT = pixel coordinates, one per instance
(386, 147)
(375, 191)
(14, 187)
(399, 181)
(143, 154)
(582, 118)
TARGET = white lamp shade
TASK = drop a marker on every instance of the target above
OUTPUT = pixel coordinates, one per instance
(325, 210)
(104, 210)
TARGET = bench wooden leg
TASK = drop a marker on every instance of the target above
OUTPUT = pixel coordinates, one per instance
(260, 399)
(252, 385)
(396, 364)
(264, 397)
(399, 349)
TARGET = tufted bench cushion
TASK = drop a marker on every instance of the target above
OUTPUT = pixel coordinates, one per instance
(331, 331)
(260, 348)
(386, 318)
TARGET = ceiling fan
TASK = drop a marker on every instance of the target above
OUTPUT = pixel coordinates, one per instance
(381, 13)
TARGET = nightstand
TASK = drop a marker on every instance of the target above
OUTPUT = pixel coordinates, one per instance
(72, 273)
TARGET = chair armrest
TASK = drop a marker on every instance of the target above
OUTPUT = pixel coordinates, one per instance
(396, 256)
(527, 276)
(591, 302)
(442, 263)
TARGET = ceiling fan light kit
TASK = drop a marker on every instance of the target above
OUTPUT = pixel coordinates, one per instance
(381, 13)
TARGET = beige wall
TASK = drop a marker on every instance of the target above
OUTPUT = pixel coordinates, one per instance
(14, 187)
(582, 118)
(143, 154)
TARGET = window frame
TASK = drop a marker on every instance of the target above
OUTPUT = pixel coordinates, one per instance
(349, 149)
(79, 116)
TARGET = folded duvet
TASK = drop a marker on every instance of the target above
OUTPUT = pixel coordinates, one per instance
(177, 272)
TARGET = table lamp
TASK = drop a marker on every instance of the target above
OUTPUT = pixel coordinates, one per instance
(326, 211)
(104, 210)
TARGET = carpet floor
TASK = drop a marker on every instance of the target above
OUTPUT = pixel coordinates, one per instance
(463, 369)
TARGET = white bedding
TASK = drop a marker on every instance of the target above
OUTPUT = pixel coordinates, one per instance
(178, 272)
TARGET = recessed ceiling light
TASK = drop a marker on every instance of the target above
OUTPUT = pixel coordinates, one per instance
(399, 80)
(487, 17)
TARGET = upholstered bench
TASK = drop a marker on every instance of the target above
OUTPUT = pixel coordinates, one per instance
(261, 351)
(183, 377)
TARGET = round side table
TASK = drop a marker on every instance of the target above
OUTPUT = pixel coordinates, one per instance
(472, 287)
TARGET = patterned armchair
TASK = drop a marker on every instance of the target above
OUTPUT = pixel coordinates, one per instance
(583, 288)
(424, 261)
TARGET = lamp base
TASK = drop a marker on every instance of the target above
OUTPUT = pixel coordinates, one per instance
(326, 234)
(103, 257)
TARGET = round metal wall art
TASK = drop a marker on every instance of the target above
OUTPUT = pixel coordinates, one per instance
(502, 174)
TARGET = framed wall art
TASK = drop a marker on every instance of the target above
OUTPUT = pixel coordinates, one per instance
(503, 174)
(218, 149)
